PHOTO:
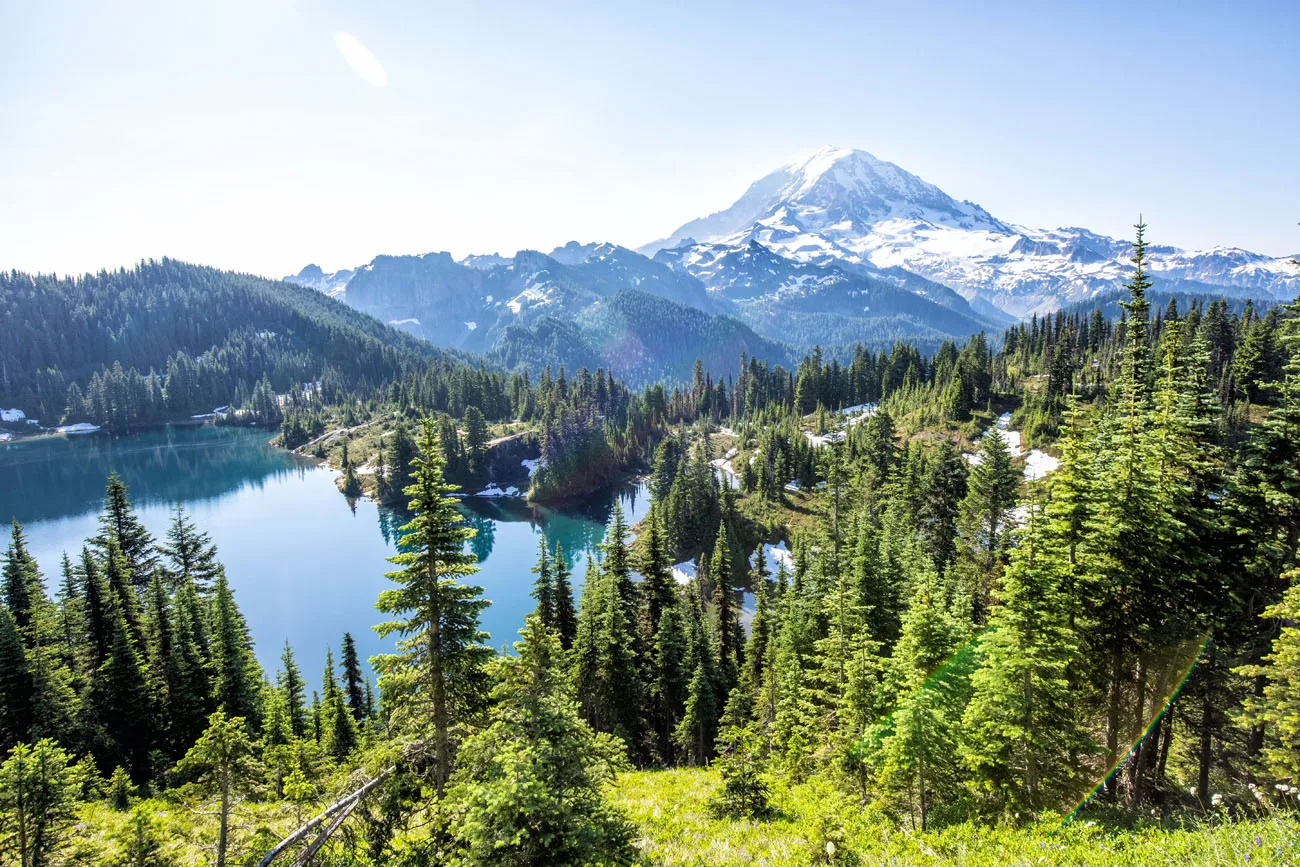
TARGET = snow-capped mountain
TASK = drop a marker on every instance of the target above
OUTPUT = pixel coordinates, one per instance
(332, 285)
(846, 207)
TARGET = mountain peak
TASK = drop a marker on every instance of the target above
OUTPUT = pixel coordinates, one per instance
(837, 192)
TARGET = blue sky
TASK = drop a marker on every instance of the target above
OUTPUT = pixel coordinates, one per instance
(236, 134)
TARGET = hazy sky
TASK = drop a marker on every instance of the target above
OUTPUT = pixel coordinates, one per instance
(265, 135)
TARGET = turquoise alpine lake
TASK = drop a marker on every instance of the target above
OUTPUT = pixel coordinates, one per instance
(306, 565)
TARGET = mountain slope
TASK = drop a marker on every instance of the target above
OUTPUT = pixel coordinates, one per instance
(220, 330)
(640, 337)
(848, 207)
(757, 282)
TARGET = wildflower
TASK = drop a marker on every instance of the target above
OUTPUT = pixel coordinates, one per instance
(1258, 840)
(1216, 800)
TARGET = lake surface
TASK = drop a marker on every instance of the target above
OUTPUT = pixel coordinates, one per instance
(304, 563)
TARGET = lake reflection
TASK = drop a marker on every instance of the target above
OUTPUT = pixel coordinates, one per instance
(305, 564)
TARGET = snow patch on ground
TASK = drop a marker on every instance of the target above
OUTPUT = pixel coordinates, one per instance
(471, 325)
(531, 464)
(493, 491)
(403, 322)
(726, 473)
(819, 440)
(684, 572)
(777, 555)
(78, 428)
(1037, 463)
(12, 415)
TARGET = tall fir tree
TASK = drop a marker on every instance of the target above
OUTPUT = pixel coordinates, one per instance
(189, 553)
(121, 525)
(354, 691)
(436, 675)
(544, 586)
(290, 682)
(566, 615)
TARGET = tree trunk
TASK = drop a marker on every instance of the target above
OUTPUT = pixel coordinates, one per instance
(1204, 754)
(1112, 724)
(438, 685)
(225, 818)
(1165, 743)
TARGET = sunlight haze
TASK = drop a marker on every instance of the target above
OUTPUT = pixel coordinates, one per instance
(263, 136)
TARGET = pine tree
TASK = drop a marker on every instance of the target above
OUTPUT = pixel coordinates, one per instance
(657, 585)
(942, 494)
(123, 708)
(1023, 727)
(756, 648)
(37, 800)
(476, 443)
(1278, 707)
(983, 525)
(566, 616)
(544, 586)
(290, 682)
(528, 785)
(120, 524)
(353, 683)
(190, 673)
(606, 676)
(71, 616)
(669, 678)
(339, 728)
(729, 633)
(98, 637)
(399, 461)
(697, 729)
(351, 485)
(437, 672)
(16, 685)
(22, 585)
(142, 841)
(916, 746)
(189, 553)
(236, 674)
(222, 761)
(122, 595)
(617, 564)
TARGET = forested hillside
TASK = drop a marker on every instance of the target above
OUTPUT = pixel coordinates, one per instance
(942, 643)
(168, 339)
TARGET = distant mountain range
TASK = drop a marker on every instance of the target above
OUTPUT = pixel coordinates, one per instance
(836, 249)
(851, 209)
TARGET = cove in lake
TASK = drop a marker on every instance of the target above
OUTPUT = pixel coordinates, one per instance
(304, 563)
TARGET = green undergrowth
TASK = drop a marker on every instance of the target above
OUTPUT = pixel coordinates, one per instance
(816, 823)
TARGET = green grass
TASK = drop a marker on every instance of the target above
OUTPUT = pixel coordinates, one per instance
(675, 827)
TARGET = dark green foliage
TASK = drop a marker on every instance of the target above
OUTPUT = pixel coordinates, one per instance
(291, 685)
(353, 683)
(606, 674)
(528, 785)
(120, 526)
(544, 587)
(190, 555)
(566, 615)
(122, 708)
(37, 800)
(236, 674)
(87, 345)
(435, 679)
(16, 685)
